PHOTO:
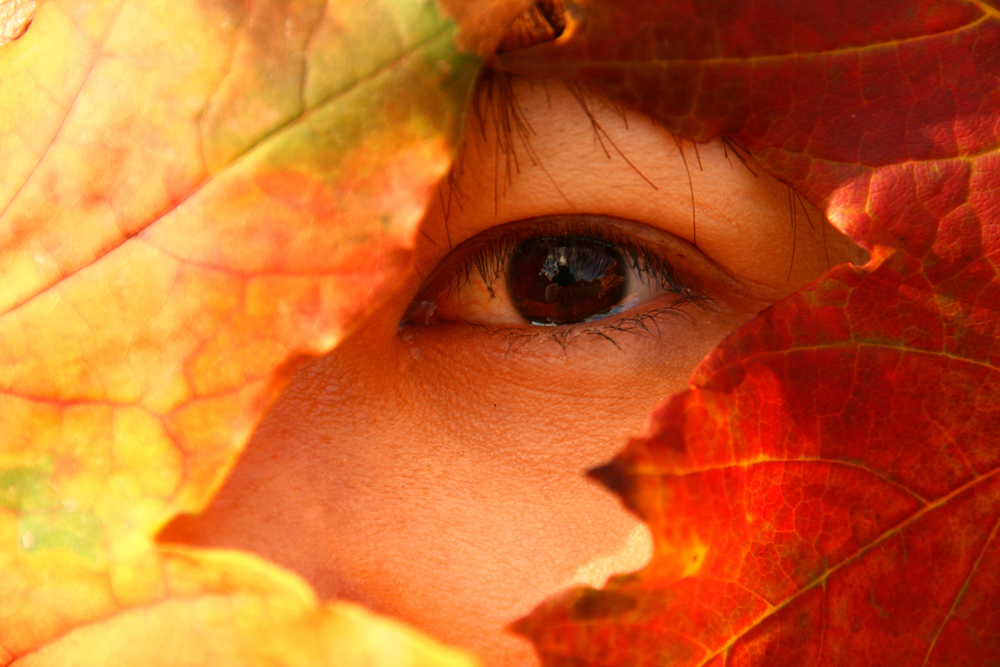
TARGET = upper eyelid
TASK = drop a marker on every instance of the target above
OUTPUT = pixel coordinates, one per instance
(508, 122)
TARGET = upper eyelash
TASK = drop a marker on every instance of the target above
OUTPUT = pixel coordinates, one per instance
(490, 258)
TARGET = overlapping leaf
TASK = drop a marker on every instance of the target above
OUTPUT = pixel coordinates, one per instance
(192, 194)
(190, 201)
(828, 492)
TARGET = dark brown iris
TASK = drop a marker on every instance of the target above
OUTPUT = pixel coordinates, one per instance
(566, 279)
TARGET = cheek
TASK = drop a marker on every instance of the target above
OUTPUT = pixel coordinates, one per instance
(437, 475)
(454, 501)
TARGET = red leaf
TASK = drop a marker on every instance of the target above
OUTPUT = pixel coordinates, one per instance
(828, 492)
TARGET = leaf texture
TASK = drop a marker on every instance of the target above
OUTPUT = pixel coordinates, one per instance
(828, 491)
(194, 194)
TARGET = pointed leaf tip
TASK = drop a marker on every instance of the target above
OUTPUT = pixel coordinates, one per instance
(612, 475)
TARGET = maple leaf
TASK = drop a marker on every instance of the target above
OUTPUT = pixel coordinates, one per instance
(828, 492)
(194, 194)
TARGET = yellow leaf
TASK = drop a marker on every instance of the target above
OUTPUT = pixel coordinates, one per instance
(194, 194)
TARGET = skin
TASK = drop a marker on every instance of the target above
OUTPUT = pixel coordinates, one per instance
(433, 471)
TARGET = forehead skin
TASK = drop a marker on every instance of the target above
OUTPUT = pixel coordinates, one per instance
(432, 474)
(580, 154)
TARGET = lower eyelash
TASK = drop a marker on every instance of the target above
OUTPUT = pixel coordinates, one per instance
(646, 323)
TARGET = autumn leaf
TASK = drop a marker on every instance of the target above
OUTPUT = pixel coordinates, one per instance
(828, 492)
(194, 195)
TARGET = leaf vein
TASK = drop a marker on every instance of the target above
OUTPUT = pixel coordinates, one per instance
(821, 580)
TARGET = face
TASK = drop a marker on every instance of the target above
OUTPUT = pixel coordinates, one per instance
(578, 265)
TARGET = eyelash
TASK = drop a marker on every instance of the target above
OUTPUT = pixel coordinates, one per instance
(642, 324)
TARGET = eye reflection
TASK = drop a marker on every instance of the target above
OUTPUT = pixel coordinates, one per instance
(565, 280)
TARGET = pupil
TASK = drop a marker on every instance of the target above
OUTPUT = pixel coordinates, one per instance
(564, 280)
(563, 277)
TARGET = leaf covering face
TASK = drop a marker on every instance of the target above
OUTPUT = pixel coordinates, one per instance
(826, 494)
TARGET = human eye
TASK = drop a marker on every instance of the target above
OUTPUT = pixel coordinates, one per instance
(559, 271)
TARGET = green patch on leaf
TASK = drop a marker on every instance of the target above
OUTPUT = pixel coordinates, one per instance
(77, 531)
(27, 488)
